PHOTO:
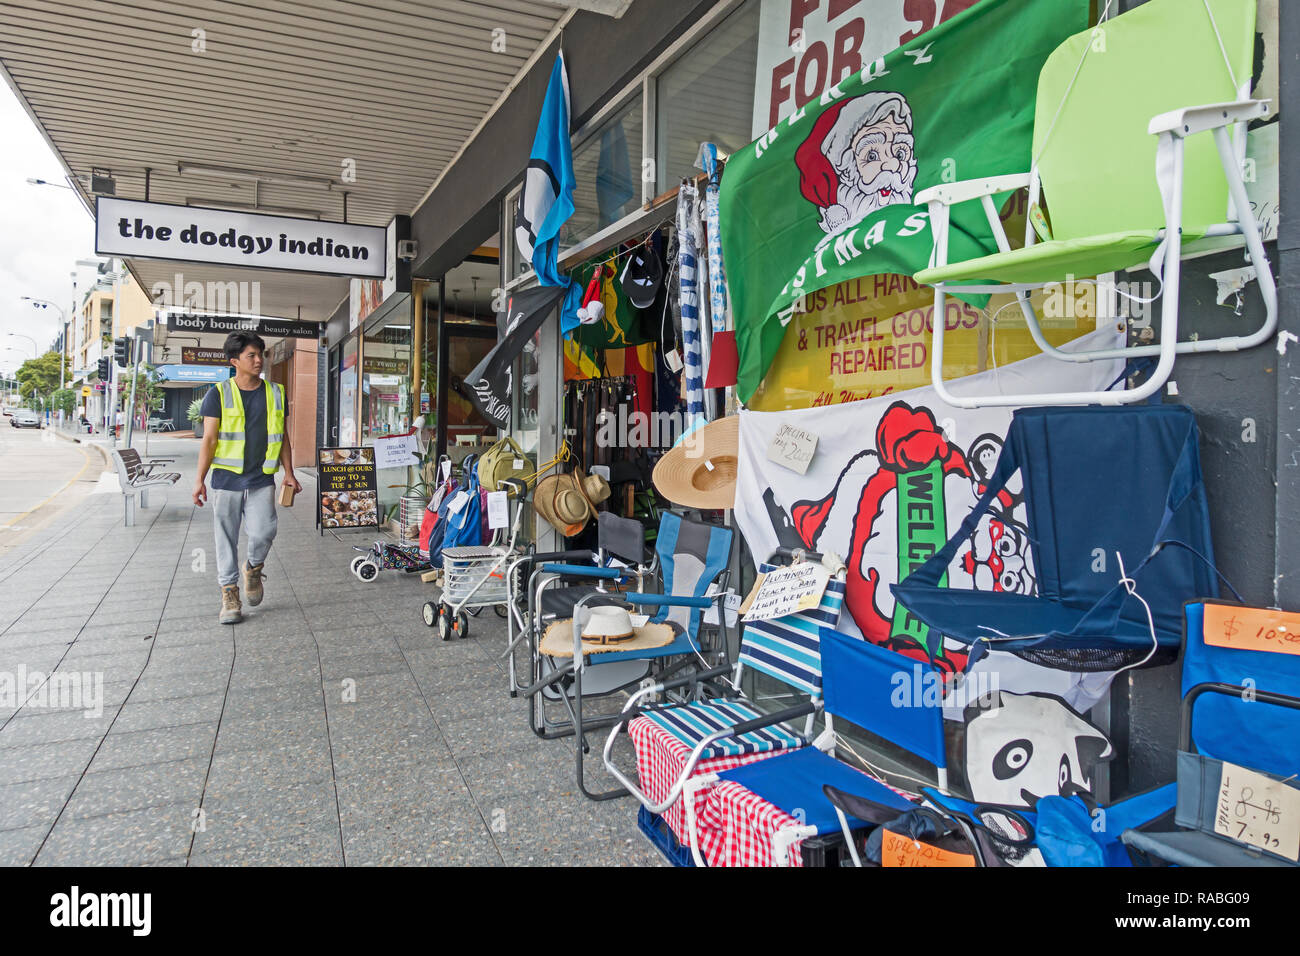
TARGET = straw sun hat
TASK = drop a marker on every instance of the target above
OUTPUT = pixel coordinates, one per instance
(700, 470)
(569, 501)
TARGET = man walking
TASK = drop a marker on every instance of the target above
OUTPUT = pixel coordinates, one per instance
(245, 441)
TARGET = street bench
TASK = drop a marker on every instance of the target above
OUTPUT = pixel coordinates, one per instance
(137, 477)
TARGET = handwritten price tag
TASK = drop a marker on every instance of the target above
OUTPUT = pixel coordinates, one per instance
(786, 591)
(792, 447)
(1259, 811)
(897, 850)
(1252, 629)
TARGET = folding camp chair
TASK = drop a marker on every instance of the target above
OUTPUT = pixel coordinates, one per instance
(759, 814)
(1102, 97)
(710, 734)
(1105, 488)
(535, 601)
(1241, 707)
(692, 559)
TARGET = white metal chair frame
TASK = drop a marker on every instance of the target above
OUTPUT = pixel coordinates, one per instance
(1173, 128)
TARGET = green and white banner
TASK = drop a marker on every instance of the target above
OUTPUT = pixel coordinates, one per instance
(827, 194)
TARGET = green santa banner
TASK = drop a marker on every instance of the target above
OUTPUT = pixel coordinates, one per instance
(827, 194)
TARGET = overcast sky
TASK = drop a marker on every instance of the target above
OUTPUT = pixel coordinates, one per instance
(43, 232)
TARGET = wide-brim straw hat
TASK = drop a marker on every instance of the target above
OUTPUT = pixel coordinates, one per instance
(700, 470)
(557, 641)
(558, 499)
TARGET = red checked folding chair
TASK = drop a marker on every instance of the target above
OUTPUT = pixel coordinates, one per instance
(760, 814)
(708, 736)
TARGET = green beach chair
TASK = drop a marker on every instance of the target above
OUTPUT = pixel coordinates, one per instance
(1114, 103)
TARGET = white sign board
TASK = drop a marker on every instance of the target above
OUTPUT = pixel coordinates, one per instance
(807, 46)
(498, 509)
(151, 230)
(787, 590)
(792, 447)
(1259, 811)
(397, 452)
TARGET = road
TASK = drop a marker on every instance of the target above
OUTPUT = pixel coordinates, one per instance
(41, 476)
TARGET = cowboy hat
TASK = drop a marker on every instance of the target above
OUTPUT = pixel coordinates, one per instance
(700, 470)
(569, 501)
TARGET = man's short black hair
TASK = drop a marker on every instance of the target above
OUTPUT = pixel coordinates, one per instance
(236, 342)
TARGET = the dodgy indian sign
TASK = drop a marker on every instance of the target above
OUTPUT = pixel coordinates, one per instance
(828, 193)
(151, 230)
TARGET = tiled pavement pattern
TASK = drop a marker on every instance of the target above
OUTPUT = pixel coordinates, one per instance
(234, 745)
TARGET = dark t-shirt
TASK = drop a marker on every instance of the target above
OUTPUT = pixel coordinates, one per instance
(254, 441)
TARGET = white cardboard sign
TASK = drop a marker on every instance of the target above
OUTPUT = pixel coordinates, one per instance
(498, 510)
(1259, 811)
(397, 452)
(793, 447)
(788, 590)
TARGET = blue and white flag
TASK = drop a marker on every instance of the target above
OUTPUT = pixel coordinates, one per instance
(687, 271)
(546, 202)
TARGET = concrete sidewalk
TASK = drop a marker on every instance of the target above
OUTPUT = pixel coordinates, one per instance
(243, 745)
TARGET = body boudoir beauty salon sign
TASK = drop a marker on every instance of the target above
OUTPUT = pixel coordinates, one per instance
(125, 227)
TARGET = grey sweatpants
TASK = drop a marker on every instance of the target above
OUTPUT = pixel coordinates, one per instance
(256, 511)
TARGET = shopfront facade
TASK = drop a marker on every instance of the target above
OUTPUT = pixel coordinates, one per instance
(645, 97)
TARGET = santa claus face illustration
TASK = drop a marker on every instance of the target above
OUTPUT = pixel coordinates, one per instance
(999, 557)
(860, 157)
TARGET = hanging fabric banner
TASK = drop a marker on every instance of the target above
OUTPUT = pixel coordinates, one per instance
(490, 385)
(889, 480)
(827, 194)
(546, 202)
(688, 198)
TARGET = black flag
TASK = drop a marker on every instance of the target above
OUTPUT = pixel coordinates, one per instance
(489, 386)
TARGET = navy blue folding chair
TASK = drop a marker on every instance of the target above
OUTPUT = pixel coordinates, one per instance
(1241, 707)
(860, 682)
(1097, 483)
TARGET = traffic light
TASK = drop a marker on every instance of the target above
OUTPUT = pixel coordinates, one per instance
(122, 351)
(103, 369)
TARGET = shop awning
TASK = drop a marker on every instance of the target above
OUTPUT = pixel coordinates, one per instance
(292, 109)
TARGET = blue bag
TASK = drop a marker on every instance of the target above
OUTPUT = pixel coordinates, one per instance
(1069, 835)
(463, 527)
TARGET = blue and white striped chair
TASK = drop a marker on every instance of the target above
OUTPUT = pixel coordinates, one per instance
(784, 800)
(732, 728)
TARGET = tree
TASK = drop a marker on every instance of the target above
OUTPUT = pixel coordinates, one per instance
(38, 377)
(149, 394)
(63, 400)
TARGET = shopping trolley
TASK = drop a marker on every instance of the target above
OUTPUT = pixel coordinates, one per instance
(385, 556)
(477, 576)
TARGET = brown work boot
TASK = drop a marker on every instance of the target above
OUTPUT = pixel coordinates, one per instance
(253, 583)
(231, 612)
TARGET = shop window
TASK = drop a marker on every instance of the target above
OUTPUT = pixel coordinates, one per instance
(348, 382)
(707, 96)
(386, 393)
(607, 167)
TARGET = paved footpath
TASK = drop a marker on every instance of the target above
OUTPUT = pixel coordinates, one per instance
(235, 745)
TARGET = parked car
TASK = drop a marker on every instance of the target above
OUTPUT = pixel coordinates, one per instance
(25, 418)
(8, 412)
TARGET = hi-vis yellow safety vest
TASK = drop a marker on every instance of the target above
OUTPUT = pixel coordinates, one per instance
(230, 436)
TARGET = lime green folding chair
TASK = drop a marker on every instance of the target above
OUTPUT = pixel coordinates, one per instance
(1114, 103)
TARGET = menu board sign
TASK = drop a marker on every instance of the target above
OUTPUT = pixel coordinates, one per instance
(349, 494)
